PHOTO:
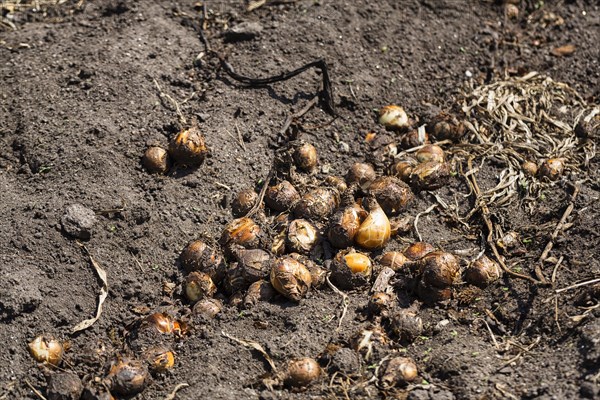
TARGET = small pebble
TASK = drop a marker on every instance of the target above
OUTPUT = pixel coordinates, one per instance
(78, 221)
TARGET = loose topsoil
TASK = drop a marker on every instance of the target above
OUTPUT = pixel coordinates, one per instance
(81, 101)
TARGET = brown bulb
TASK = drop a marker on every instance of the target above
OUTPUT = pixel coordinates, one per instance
(127, 376)
(243, 202)
(243, 232)
(402, 170)
(188, 147)
(406, 325)
(317, 274)
(530, 168)
(413, 139)
(351, 269)
(317, 205)
(430, 152)
(361, 174)
(257, 292)
(344, 225)
(290, 278)
(159, 359)
(447, 127)
(430, 175)
(394, 260)
(393, 117)
(255, 264)
(399, 371)
(302, 372)
(282, 196)
(302, 236)
(375, 230)
(418, 250)
(305, 157)
(207, 308)
(482, 272)
(431, 295)
(552, 168)
(47, 350)
(234, 279)
(198, 286)
(440, 269)
(198, 256)
(63, 386)
(380, 303)
(162, 323)
(156, 160)
(336, 182)
(391, 193)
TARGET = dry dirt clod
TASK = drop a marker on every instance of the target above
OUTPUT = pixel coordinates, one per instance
(64, 386)
(243, 31)
(78, 221)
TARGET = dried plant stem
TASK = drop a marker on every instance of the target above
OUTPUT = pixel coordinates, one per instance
(345, 301)
(171, 396)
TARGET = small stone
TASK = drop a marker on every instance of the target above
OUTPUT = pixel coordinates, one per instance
(343, 147)
(243, 31)
(589, 390)
(78, 221)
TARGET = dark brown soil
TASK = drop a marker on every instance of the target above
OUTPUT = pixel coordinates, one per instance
(79, 106)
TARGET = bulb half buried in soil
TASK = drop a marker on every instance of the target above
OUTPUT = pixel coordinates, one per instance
(188, 147)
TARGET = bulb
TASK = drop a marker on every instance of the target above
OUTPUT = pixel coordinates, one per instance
(127, 376)
(414, 138)
(430, 175)
(257, 292)
(302, 372)
(402, 170)
(281, 197)
(47, 350)
(234, 279)
(440, 269)
(242, 231)
(552, 168)
(447, 127)
(243, 202)
(430, 152)
(305, 157)
(530, 168)
(317, 274)
(362, 174)
(399, 371)
(290, 278)
(302, 236)
(375, 231)
(482, 272)
(393, 117)
(380, 303)
(207, 308)
(198, 286)
(198, 256)
(255, 264)
(317, 204)
(162, 323)
(156, 160)
(430, 294)
(337, 183)
(351, 269)
(159, 358)
(406, 325)
(418, 250)
(391, 193)
(344, 225)
(188, 147)
(394, 260)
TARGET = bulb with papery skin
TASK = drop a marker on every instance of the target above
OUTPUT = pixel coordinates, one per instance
(302, 371)
(375, 231)
(393, 117)
(290, 278)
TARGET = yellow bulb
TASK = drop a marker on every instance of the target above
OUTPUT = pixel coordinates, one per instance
(375, 231)
(358, 263)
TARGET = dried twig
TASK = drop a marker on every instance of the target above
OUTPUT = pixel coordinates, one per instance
(575, 286)
(101, 297)
(182, 119)
(171, 396)
(416, 222)
(253, 345)
(557, 230)
(37, 392)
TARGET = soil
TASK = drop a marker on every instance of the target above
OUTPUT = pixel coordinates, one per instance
(80, 104)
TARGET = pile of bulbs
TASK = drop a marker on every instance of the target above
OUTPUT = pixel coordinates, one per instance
(305, 233)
